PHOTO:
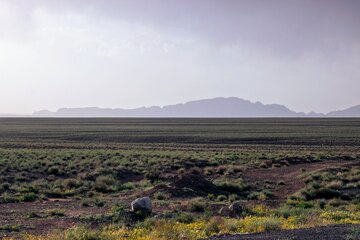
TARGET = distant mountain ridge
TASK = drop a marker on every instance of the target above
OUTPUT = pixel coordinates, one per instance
(349, 112)
(216, 107)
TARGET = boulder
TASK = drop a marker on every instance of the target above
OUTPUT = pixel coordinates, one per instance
(224, 211)
(143, 205)
(236, 209)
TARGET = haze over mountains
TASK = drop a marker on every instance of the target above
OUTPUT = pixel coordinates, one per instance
(216, 107)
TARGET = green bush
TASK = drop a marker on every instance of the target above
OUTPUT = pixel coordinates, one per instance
(221, 198)
(160, 196)
(8, 198)
(321, 193)
(10, 228)
(184, 217)
(5, 186)
(197, 206)
(28, 197)
(54, 170)
(99, 203)
(235, 186)
(33, 215)
(233, 197)
(105, 184)
(86, 202)
(56, 213)
(213, 226)
(300, 204)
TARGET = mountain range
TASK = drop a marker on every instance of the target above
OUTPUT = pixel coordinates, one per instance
(216, 107)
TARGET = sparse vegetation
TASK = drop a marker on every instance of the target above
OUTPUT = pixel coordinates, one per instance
(87, 172)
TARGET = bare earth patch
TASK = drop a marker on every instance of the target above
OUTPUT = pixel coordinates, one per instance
(290, 175)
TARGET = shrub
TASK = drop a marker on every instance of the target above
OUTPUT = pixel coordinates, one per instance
(260, 224)
(71, 183)
(195, 171)
(253, 196)
(213, 227)
(335, 202)
(181, 171)
(99, 203)
(237, 186)
(211, 197)
(221, 198)
(276, 165)
(324, 193)
(119, 207)
(322, 204)
(271, 224)
(335, 184)
(10, 228)
(160, 196)
(281, 183)
(128, 186)
(85, 202)
(153, 176)
(7, 198)
(341, 217)
(208, 171)
(233, 197)
(28, 197)
(91, 194)
(264, 165)
(184, 217)
(5, 186)
(297, 215)
(81, 233)
(108, 180)
(221, 170)
(56, 213)
(299, 204)
(53, 170)
(105, 184)
(197, 206)
(33, 215)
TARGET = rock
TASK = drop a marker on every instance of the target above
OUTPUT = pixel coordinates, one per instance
(224, 211)
(142, 204)
(236, 209)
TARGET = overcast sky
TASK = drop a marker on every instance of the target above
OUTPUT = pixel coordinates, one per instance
(128, 53)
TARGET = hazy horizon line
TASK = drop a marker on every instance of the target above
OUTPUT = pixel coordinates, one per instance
(161, 107)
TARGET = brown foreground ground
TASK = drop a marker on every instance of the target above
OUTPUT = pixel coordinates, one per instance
(334, 232)
(58, 214)
(60, 173)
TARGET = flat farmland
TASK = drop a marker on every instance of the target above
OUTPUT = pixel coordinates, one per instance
(324, 131)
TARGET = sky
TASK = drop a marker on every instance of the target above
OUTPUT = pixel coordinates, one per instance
(131, 53)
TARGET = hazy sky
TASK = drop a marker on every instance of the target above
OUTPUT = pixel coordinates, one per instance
(129, 53)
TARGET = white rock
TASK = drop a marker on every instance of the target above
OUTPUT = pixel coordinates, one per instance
(141, 204)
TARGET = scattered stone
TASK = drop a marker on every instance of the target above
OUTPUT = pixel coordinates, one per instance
(234, 210)
(224, 211)
(142, 205)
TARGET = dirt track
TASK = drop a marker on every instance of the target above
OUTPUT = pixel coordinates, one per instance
(291, 175)
(334, 232)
